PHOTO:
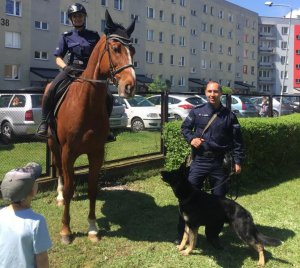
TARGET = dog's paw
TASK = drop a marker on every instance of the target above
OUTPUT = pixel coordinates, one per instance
(185, 252)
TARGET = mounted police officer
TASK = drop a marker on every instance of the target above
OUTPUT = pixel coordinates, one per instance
(222, 135)
(78, 45)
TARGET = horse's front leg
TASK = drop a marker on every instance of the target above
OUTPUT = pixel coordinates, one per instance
(95, 162)
(68, 191)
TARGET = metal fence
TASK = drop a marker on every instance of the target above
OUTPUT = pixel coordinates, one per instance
(129, 146)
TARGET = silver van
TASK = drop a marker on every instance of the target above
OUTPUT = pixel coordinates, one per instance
(20, 114)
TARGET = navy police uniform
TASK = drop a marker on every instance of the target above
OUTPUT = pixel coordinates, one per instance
(223, 135)
(79, 46)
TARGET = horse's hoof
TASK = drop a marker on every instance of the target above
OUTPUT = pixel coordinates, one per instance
(60, 203)
(95, 238)
(66, 239)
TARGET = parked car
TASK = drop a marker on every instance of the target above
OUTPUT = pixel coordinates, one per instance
(20, 114)
(241, 106)
(285, 106)
(142, 114)
(118, 118)
(179, 105)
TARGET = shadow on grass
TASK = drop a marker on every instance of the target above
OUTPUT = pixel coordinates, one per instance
(136, 216)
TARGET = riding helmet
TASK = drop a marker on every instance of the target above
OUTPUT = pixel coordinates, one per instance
(76, 8)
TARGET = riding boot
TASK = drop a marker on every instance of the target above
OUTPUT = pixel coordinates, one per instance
(109, 107)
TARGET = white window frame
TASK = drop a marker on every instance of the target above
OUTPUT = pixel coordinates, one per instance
(40, 55)
(149, 56)
(40, 25)
(181, 62)
(103, 3)
(12, 40)
(181, 41)
(17, 8)
(64, 18)
(150, 13)
(181, 81)
(14, 72)
(119, 4)
(160, 58)
(150, 35)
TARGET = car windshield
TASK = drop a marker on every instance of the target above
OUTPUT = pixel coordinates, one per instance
(245, 100)
(195, 100)
(139, 101)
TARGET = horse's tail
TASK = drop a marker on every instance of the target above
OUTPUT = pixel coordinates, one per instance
(268, 241)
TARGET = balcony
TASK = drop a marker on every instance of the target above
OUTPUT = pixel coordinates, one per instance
(267, 50)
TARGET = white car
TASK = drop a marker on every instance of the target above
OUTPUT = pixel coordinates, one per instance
(141, 113)
(179, 105)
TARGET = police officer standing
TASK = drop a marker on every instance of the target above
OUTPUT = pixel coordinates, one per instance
(78, 44)
(223, 135)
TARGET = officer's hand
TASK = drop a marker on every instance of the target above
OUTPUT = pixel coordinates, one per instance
(237, 168)
(196, 142)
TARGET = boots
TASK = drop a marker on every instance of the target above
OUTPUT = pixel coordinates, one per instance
(43, 129)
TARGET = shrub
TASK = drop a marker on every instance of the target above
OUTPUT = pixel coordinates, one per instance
(272, 144)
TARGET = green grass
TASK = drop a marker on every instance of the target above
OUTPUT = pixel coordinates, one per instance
(138, 224)
(128, 144)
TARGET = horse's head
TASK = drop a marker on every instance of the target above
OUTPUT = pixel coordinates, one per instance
(120, 55)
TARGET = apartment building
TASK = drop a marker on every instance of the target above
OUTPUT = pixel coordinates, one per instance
(279, 56)
(184, 42)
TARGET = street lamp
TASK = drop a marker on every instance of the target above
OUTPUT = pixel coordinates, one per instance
(270, 4)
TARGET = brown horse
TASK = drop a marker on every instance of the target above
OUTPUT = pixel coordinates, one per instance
(82, 120)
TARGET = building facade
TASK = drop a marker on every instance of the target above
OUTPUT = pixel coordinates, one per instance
(184, 42)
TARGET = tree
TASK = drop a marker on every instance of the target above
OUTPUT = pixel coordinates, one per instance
(158, 85)
(227, 90)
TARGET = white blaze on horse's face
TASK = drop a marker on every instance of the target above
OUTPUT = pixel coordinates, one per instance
(126, 84)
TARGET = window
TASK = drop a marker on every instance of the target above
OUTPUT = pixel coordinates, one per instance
(136, 64)
(150, 13)
(297, 81)
(193, 32)
(252, 70)
(282, 60)
(172, 59)
(173, 19)
(103, 3)
(161, 15)
(283, 45)
(12, 40)
(204, 8)
(298, 36)
(204, 27)
(41, 55)
(221, 49)
(220, 65)
(204, 47)
(149, 57)
(64, 18)
(203, 64)
(13, 7)
(284, 30)
(119, 4)
(135, 16)
(221, 14)
(212, 11)
(230, 18)
(221, 31)
(193, 12)
(172, 80)
(41, 25)
(245, 53)
(211, 47)
(298, 66)
(150, 35)
(181, 81)
(282, 73)
(211, 28)
(12, 72)
(229, 51)
(246, 37)
(298, 52)
(135, 41)
(160, 58)
(182, 3)
(193, 70)
(161, 37)
(266, 29)
(102, 26)
(230, 34)
(245, 69)
(173, 39)
(181, 41)
(193, 51)
(182, 21)
(181, 61)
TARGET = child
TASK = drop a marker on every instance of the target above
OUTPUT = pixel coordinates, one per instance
(24, 237)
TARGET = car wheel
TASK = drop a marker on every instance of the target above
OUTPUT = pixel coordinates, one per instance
(137, 125)
(177, 117)
(6, 132)
(275, 113)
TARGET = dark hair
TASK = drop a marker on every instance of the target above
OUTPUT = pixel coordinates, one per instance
(214, 82)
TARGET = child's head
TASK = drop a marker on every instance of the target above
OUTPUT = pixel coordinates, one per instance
(18, 183)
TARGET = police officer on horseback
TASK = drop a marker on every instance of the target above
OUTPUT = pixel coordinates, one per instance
(78, 45)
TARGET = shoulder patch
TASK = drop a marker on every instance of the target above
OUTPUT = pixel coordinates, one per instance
(67, 33)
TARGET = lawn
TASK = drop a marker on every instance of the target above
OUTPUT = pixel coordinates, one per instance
(137, 223)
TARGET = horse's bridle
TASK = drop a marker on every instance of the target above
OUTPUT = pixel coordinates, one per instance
(126, 42)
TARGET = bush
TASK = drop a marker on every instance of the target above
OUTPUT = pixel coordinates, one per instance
(272, 144)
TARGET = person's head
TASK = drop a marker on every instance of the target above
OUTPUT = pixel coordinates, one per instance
(16, 101)
(77, 14)
(20, 183)
(213, 93)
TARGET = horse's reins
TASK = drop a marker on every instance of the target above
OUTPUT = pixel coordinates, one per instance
(126, 42)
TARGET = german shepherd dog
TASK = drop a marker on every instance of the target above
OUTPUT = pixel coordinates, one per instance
(199, 208)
